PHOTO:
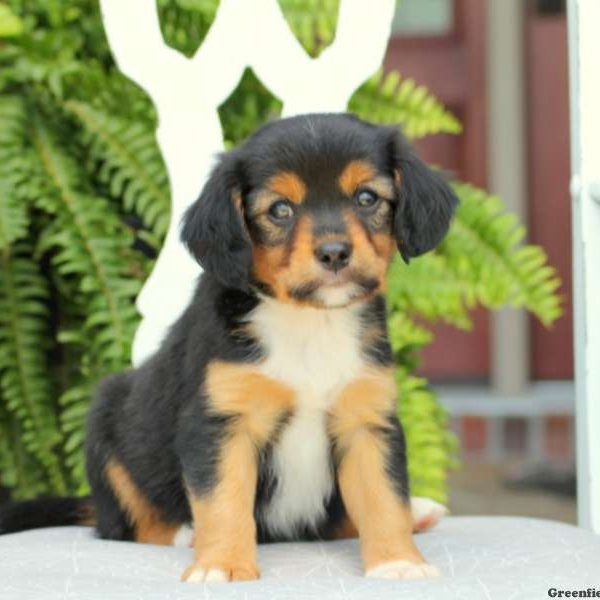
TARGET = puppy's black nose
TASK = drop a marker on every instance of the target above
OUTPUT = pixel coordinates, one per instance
(334, 256)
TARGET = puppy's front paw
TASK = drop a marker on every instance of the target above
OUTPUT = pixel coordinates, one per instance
(220, 572)
(403, 569)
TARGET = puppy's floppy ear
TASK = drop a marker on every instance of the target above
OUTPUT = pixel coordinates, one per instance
(427, 201)
(213, 227)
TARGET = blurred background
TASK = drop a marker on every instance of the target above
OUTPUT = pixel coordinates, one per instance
(501, 67)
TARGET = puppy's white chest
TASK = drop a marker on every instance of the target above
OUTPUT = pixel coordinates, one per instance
(316, 352)
(313, 351)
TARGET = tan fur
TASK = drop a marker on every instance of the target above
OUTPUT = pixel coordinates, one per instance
(259, 402)
(149, 526)
(371, 255)
(289, 185)
(346, 530)
(383, 520)
(355, 174)
(224, 527)
(283, 270)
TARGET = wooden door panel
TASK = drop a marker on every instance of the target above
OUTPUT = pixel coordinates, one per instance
(549, 160)
(452, 67)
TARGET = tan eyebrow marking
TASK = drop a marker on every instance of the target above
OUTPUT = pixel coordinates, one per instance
(382, 185)
(355, 173)
(289, 185)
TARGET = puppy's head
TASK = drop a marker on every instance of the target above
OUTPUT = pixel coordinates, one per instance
(310, 209)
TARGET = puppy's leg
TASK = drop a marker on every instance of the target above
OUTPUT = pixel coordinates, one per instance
(242, 411)
(148, 524)
(373, 478)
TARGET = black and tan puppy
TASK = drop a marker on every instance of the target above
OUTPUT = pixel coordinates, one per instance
(269, 413)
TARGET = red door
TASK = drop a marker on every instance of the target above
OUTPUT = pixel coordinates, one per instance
(451, 63)
(549, 168)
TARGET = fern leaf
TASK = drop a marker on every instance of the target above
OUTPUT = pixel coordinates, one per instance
(88, 242)
(184, 23)
(13, 215)
(390, 99)
(14, 218)
(484, 247)
(431, 448)
(312, 22)
(75, 404)
(24, 377)
(19, 470)
(129, 163)
(482, 262)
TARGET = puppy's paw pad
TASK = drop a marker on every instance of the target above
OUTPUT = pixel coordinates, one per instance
(426, 513)
(403, 569)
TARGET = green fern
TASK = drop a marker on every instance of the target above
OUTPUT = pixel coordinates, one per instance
(24, 377)
(14, 218)
(128, 162)
(19, 470)
(312, 22)
(88, 242)
(481, 261)
(389, 99)
(484, 247)
(184, 23)
(431, 448)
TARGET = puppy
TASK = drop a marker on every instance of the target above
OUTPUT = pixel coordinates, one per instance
(269, 412)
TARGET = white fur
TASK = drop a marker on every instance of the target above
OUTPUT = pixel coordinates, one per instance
(337, 296)
(403, 569)
(316, 352)
(200, 574)
(426, 512)
(184, 537)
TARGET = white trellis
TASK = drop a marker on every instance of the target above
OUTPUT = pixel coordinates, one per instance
(188, 92)
(584, 48)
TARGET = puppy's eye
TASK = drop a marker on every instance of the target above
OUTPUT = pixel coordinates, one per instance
(281, 210)
(366, 198)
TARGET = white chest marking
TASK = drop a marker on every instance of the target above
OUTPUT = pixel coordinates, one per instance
(316, 352)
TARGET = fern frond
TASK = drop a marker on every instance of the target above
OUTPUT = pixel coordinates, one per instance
(14, 217)
(20, 472)
(248, 106)
(184, 23)
(75, 404)
(481, 261)
(128, 162)
(431, 448)
(390, 99)
(484, 248)
(312, 22)
(24, 376)
(430, 288)
(89, 243)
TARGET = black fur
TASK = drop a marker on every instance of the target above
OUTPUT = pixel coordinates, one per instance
(154, 419)
(214, 231)
(44, 512)
(427, 202)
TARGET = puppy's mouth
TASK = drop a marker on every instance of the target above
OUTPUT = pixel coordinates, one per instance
(333, 290)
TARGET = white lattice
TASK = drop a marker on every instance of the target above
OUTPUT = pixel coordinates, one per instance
(188, 92)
